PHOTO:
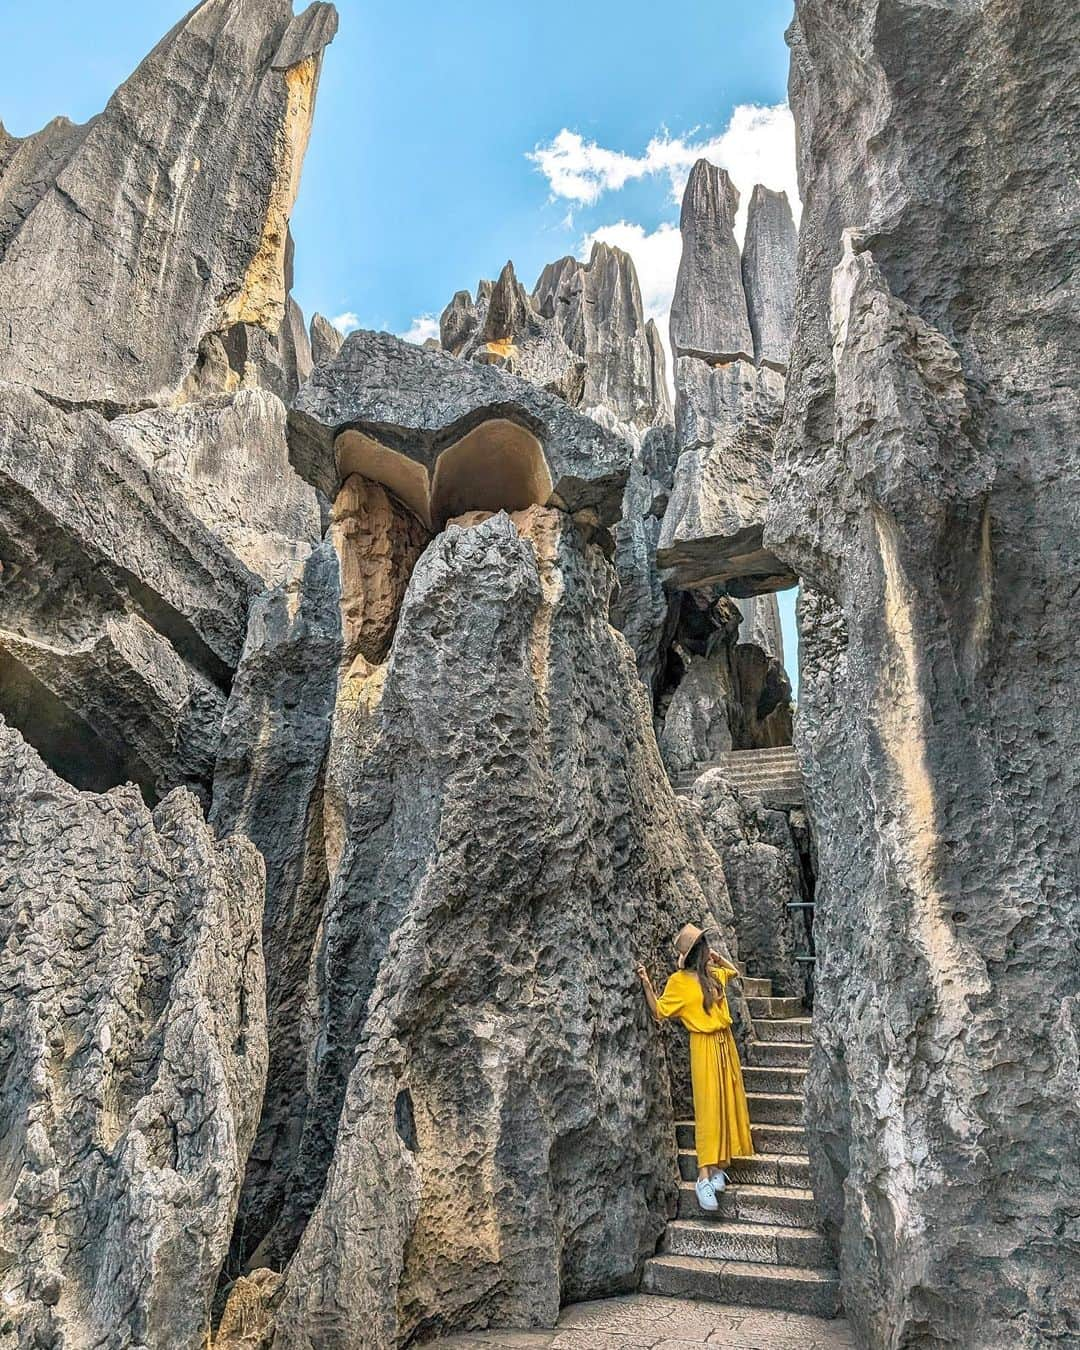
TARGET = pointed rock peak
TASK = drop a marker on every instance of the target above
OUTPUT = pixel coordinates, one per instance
(457, 323)
(306, 36)
(710, 196)
(508, 309)
(326, 340)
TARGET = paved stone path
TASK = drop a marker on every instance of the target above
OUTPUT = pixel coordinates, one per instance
(647, 1322)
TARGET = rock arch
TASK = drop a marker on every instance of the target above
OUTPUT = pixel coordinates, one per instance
(497, 465)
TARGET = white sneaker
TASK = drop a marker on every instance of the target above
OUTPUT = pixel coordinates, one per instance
(719, 1181)
(706, 1196)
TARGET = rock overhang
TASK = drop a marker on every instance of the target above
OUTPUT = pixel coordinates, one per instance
(447, 436)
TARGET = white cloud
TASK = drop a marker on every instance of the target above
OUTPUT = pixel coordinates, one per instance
(424, 326)
(346, 323)
(656, 257)
(757, 146)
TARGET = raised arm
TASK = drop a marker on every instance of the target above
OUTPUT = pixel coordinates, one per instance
(715, 959)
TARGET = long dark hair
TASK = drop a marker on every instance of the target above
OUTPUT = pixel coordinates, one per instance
(697, 960)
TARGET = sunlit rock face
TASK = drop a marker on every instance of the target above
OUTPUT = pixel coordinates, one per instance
(145, 269)
(133, 1046)
(926, 490)
(482, 1077)
(207, 138)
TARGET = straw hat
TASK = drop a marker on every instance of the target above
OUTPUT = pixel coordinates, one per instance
(685, 939)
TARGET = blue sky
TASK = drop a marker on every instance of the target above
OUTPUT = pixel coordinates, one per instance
(419, 179)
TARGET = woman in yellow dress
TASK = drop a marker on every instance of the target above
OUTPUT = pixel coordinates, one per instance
(695, 994)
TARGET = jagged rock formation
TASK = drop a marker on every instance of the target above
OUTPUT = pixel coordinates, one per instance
(133, 1053)
(208, 137)
(926, 490)
(121, 613)
(729, 385)
(325, 340)
(502, 328)
(434, 430)
(482, 1078)
(723, 693)
(582, 335)
(228, 461)
(596, 307)
(760, 855)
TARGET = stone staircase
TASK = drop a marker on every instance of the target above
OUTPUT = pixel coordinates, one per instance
(761, 1248)
(771, 775)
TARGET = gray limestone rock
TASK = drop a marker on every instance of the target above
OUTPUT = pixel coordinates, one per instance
(228, 459)
(426, 426)
(325, 340)
(82, 522)
(926, 491)
(761, 864)
(207, 138)
(483, 1076)
(274, 784)
(708, 310)
(769, 263)
(596, 307)
(726, 421)
(133, 1054)
(119, 706)
(503, 329)
(761, 624)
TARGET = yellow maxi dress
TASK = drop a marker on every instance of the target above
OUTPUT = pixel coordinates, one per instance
(721, 1116)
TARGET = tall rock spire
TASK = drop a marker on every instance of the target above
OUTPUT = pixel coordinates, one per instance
(708, 311)
(124, 243)
(770, 255)
(598, 310)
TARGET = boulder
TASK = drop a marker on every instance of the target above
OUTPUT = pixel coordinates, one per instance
(133, 1045)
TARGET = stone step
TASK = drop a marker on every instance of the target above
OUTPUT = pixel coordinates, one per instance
(783, 1029)
(747, 1283)
(755, 988)
(768, 1244)
(788, 1170)
(779, 1054)
(774, 1108)
(774, 1078)
(785, 1206)
(775, 1007)
(779, 1139)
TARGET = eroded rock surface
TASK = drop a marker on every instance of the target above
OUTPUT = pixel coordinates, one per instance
(133, 1054)
(769, 264)
(207, 137)
(927, 491)
(483, 1075)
